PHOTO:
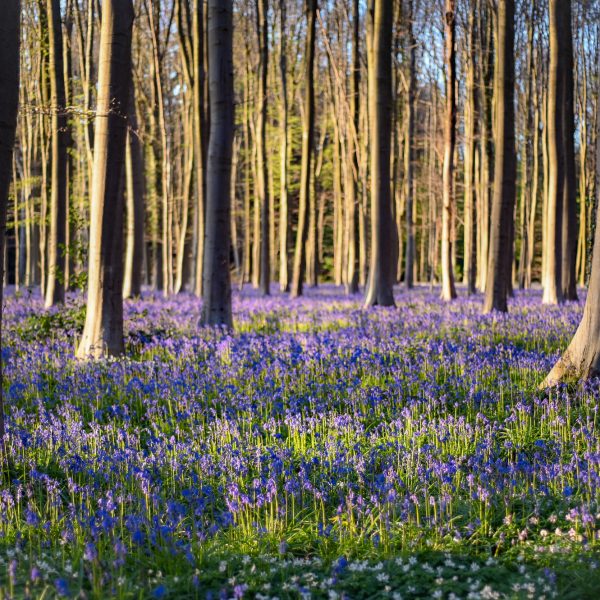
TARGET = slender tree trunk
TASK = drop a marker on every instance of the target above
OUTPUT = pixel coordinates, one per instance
(470, 255)
(500, 261)
(556, 166)
(352, 166)
(216, 306)
(383, 265)
(199, 140)
(134, 174)
(567, 129)
(103, 330)
(283, 155)
(448, 289)
(307, 152)
(410, 166)
(262, 11)
(55, 285)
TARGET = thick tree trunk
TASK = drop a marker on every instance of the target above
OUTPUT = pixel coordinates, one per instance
(581, 360)
(448, 289)
(500, 261)
(103, 330)
(216, 306)
(55, 285)
(383, 265)
(10, 28)
(307, 152)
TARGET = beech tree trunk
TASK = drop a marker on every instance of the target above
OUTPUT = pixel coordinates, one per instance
(581, 360)
(103, 330)
(500, 260)
(283, 156)
(262, 10)
(382, 269)
(10, 29)
(308, 128)
(448, 289)
(134, 174)
(55, 285)
(216, 306)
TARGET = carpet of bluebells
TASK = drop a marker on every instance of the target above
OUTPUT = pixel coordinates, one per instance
(319, 451)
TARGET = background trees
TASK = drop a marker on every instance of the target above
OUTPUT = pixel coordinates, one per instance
(302, 157)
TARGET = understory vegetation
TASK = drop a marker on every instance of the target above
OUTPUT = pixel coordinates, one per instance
(320, 451)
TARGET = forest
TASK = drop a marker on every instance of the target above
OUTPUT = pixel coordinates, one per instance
(299, 299)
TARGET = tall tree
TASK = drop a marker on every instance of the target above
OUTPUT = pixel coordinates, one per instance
(502, 224)
(352, 166)
(383, 264)
(283, 152)
(308, 129)
(448, 288)
(410, 148)
(55, 285)
(103, 330)
(262, 26)
(216, 306)
(581, 359)
(10, 29)
(134, 177)
(568, 198)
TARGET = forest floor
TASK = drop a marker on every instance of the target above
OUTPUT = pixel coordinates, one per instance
(320, 451)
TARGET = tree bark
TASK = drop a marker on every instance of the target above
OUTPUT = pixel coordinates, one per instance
(10, 28)
(500, 261)
(382, 269)
(308, 128)
(216, 306)
(55, 285)
(103, 330)
(448, 289)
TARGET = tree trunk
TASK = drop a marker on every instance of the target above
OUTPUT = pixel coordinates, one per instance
(500, 261)
(134, 169)
(55, 285)
(581, 360)
(262, 11)
(10, 28)
(216, 306)
(382, 269)
(103, 330)
(283, 156)
(308, 127)
(470, 255)
(567, 129)
(448, 289)
(411, 142)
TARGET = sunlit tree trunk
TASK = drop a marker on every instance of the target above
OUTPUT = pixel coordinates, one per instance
(216, 306)
(308, 127)
(283, 155)
(383, 264)
(103, 330)
(10, 27)
(581, 360)
(448, 289)
(55, 285)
